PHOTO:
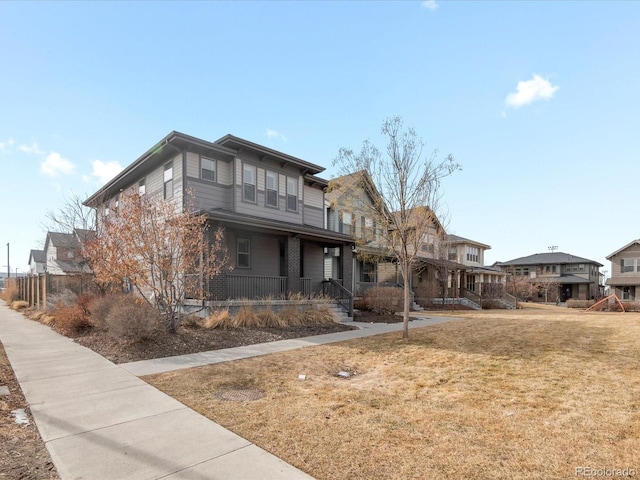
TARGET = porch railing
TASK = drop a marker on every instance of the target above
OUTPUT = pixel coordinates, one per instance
(334, 289)
(255, 286)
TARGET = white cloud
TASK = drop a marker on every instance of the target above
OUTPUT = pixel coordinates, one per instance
(5, 145)
(33, 148)
(275, 134)
(55, 165)
(105, 171)
(430, 4)
(529, 91)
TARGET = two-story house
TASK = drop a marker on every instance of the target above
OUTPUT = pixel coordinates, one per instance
(573, 277)
(480, 279)
(625, 271)
(352, 209)
(63, 253)
(271, 205)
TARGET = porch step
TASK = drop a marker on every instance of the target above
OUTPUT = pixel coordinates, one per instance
(339, 312)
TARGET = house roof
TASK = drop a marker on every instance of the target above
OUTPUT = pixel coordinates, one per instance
(38, 256)
(630, 244)
(59, 239)
(572, 279)
(175, 142)
(623, 281)
(451, 239)
(558, 258)
(240, 144)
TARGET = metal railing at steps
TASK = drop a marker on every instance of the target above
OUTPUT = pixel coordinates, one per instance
(334, 289)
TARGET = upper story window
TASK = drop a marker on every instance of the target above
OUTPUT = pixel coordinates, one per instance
(453, 253)
(244, 253)
(142, 187)
(346, 222)
(473, 254)
(292, 194)
(168, 180)
(208, 169)
(626, 265)
(249, 183)
(272, 189)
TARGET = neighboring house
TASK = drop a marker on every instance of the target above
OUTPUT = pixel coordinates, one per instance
(625, 272)
(63, 253)
(480, 278)
(37, 262)
(571, 276)
(271, 205)
(349, 212)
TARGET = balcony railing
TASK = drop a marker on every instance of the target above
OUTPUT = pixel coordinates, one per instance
(255, 286)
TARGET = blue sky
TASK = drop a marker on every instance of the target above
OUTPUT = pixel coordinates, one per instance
(538, 101)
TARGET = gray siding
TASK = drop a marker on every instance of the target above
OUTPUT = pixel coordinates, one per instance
(265, 254)
(208, 196)
(314, 265)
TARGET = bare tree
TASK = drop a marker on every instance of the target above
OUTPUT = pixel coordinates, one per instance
(404, 187)
(547, 284)
(71, 215)
(163, 252)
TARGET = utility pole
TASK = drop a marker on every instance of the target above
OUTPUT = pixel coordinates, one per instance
(8, 267)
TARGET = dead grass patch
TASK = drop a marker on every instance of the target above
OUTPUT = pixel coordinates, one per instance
(532, 393)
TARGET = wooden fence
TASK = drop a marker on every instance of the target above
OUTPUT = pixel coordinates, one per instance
(38, 289)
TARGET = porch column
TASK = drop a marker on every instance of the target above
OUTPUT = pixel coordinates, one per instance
(463, 282)
(346, 258)
(293, 264)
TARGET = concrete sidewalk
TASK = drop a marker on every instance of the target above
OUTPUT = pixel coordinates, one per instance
(159, 365)
(99, 421)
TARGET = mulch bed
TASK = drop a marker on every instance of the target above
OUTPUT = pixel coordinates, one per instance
(193, 339)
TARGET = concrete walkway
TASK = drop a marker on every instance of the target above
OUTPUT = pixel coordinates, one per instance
(99, 421)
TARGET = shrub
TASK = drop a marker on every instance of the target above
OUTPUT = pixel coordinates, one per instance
(19, 305)
(10, 293)
(245, 318)
(101, 308)
(492, 304)
(384, 300)
(131, 318)
(267, 318)
(319, 316)
(70, 319)
(573, 303)
(219, 319)
(291, 316)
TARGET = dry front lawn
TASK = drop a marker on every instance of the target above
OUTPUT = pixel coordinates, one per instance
(534, 393)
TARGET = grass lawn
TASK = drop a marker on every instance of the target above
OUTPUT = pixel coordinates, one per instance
(533, 393)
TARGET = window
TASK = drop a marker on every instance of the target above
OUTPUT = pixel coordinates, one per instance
(453, 253)
(207, 169)
(116, 202)
(472, 254)
(626, 293)
(471, 283)
(244, 253)
(168, 180)
(142, 186)
(626, 265)
(368, 272)
(272, 189)
(292, 194)
(249, 183)
(345, 226)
